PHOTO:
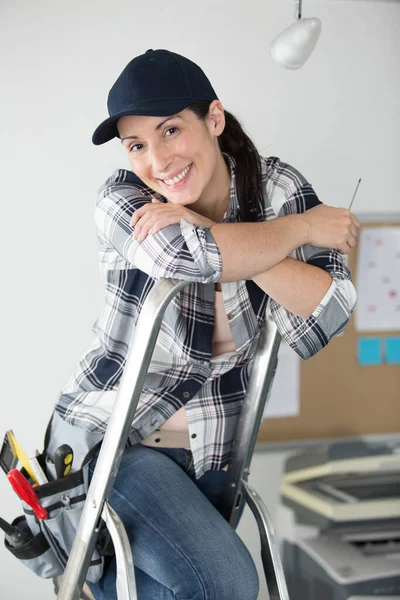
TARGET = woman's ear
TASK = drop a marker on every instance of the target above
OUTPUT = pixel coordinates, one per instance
(216, 118)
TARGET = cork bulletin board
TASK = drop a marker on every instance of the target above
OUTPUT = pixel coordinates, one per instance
(339, 397)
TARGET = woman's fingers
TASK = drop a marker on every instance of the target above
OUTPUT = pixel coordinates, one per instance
(354, 231)
(152, 224)
(142, 226)
(352, 228)
(356, 222)
(155, 216)
(158, 225)
(138, 214)
(152, 207)
(346, 246)
(352, 241)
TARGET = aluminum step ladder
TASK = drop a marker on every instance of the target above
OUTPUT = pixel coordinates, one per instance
(115, 439)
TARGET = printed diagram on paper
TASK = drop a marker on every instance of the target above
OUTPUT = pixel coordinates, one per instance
(378, 280)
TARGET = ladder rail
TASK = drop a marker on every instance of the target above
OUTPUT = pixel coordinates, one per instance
(115, 438)
(260, 382)
(263, 372)
(126, 582)
(270, 554)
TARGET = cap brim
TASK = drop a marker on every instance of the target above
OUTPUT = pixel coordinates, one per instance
(107, 130)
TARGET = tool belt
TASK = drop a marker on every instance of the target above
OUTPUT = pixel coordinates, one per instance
(48, 542)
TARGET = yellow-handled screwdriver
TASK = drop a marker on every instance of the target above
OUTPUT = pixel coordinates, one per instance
(63, 458)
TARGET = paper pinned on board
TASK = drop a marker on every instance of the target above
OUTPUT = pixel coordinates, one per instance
(284, 399)
(378, 280)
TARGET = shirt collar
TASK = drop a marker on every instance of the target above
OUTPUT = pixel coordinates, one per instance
(232, 210)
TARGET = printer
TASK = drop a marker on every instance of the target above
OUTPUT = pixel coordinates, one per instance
(344, 499)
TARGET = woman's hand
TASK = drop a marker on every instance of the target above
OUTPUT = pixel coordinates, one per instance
(329, 227)
(155, 216)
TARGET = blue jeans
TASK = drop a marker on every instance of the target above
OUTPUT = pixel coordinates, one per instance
(182, 547)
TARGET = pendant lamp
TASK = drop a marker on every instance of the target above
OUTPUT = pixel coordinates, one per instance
(294, 45)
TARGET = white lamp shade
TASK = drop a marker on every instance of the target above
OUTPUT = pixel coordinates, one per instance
(294, 45)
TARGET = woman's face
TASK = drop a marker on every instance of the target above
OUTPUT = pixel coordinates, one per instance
(176, 156)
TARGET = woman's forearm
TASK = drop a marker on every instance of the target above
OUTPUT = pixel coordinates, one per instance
(297, 286)
(249, 249)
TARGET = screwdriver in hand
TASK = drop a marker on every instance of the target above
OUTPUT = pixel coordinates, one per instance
(355, 192)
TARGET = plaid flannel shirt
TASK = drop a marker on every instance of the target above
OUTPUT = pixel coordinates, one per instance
(182, 371)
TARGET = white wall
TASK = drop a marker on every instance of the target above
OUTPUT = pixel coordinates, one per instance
(336, 120)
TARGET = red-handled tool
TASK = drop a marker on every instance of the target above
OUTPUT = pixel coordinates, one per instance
(25, 491)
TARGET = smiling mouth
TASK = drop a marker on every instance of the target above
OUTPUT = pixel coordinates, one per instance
(178, 178)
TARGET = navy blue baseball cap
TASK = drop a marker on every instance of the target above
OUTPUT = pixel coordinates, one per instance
(158, 83)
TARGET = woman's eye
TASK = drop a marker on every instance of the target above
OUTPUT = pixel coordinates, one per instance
(170, 131)
(135, 147)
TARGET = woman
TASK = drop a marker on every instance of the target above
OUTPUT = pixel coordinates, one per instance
(200, 204)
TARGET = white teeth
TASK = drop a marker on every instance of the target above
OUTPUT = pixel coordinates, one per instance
(178, 178)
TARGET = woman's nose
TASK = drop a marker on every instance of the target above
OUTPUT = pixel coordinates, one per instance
(160, 159)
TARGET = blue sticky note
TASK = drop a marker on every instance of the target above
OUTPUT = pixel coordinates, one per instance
(369, 351)
(392, 350)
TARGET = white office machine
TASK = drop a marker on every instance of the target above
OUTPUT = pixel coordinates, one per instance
(350, 494)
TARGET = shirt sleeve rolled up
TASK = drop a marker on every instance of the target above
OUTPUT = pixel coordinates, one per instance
(331, 316)
(182, 251)
(293, 194)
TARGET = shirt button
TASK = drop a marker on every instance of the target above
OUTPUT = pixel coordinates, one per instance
(194, 435)
(230, 317)
(303, 328)
(186, 394)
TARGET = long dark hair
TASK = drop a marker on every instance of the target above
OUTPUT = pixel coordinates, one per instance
(235, 142)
